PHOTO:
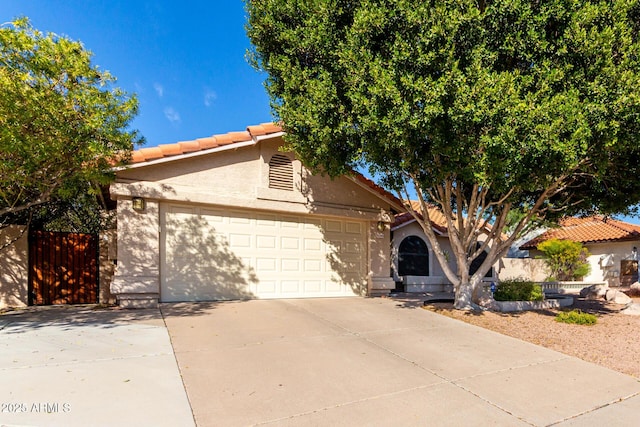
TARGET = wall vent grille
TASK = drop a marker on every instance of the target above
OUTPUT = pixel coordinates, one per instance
(280, 172)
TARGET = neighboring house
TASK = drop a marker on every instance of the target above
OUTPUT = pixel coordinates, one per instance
(415, 267)
(613, 246)
(233, 217)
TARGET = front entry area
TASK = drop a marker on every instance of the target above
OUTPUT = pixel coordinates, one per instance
(211, 253)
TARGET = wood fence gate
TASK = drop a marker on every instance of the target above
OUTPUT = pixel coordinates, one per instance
(63, 268)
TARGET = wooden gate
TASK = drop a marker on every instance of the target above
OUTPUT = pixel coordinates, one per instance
(63, 268)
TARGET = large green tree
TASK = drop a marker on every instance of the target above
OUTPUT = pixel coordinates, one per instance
(62, 123)
(481, 107)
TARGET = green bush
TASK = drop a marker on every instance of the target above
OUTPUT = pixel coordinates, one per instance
(566, 259)
(518, 290)
(576, 317)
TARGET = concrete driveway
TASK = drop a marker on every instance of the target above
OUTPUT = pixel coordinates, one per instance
(357, 361)
(80, 366)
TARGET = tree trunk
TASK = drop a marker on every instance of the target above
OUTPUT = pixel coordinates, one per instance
(464, 297)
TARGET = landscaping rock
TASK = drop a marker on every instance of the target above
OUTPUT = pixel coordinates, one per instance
(489, 303)
(617, 297)
(634, 289)
(594, 291)
(632, 310)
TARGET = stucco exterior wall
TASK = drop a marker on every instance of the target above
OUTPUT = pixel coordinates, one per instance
(136, 281)
(108, 258)
(14, 268)
(235, 178)
(526, 268)
(605, 260)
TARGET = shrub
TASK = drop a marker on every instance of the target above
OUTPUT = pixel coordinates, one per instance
(518, 290)
(566, 259)
(576, 317)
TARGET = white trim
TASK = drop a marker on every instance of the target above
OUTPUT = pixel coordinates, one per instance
(259, 138)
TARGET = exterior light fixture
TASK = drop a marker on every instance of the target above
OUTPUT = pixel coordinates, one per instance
(634, 253)
(381, 226)
(138, 204)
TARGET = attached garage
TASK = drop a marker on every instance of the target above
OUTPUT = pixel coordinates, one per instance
(234, 217)
(211, 253)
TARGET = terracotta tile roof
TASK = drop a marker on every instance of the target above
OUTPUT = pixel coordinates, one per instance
(184, 147)
(438, 219)
(594, 229)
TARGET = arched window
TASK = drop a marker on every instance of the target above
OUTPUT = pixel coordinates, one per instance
(413, 257)
(476, 263)
(280, 172)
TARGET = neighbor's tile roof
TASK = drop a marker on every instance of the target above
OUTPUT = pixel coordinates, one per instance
(184, 147)
(594, 229)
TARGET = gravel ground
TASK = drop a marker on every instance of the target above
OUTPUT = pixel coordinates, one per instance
(613, 342)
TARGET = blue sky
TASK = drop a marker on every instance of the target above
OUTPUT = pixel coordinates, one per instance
(184, 60)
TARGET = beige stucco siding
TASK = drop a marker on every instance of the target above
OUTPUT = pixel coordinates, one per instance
(232, 174)
(236, 179)
(239, 177)
(14, 267)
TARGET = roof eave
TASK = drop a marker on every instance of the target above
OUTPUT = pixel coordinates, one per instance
(253, 141)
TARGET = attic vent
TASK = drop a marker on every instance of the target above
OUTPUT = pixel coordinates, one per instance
(280, 172)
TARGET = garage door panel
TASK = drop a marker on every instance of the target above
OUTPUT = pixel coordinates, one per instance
(333, 287)
(313, 245)
(333, 226)
(266, 242)
(290, 265)
(312, 224)
(240, 240)
(290, 243)
(266, 265)
(312, 266)
(212, 253)
(353, 227)
(290, 222)
(264, 220)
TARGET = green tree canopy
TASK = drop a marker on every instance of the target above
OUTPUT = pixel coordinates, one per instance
(481, 107)
(62, 123)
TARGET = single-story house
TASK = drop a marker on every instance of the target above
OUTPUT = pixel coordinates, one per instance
(233, 217)
(414, 266)
(613, 246)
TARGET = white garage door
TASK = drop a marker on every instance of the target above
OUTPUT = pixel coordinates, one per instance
(218, 254)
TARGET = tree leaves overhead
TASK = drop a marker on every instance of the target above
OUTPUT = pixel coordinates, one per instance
(507, 94)
(481, 107)
(62, 122)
